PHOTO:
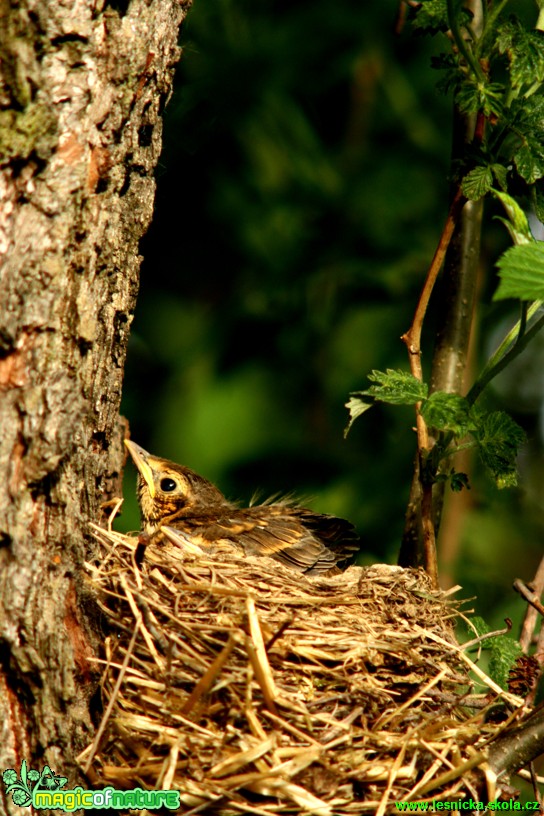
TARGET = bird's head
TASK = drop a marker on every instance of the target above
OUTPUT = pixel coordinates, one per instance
(167, 491)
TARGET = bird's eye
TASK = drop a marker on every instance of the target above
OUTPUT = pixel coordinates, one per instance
(168, 485)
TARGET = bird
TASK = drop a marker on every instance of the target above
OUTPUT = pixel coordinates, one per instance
(173, 497)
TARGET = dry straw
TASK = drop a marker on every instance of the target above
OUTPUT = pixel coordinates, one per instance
(252, 689)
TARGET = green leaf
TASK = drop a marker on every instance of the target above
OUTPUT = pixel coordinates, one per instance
(447, 412)
(525, 52)
(522, 272)
(396, 387)
(528, 115)
(538, 200)
(504, 653)
(481, 627)
(431, 16)
(473, 97)
(529, 162)
(500, 172)
(499, 439)
(517, 224)
(356, 407)
(477, 183)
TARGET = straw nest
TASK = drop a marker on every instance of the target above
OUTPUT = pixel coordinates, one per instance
(252, 689)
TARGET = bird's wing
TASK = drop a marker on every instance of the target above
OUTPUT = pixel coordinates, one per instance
(305, 541)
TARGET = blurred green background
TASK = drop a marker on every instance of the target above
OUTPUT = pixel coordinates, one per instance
(302, 188)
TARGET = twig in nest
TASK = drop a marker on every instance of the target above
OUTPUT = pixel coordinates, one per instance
(476, 641)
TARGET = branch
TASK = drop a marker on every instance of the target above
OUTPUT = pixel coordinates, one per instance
(412, 340)
(472, 62)
(500, 359)
(531, 615)
(519, 745)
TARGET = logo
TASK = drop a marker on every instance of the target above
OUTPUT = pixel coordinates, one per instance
(45, 790)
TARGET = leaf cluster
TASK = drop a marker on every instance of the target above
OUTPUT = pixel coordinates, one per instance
(456, 422)
(494, 67)
(497, 73)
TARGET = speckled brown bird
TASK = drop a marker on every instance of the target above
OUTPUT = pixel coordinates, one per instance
(173, 496)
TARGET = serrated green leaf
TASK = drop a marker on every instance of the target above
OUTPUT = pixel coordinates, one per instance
(537, 192)
(396, 387)
(356, 407)
(504, 650)
(529, 111)
(504, 653)
(477, 183)
(447, 412)
(529, 162)
(501, 174)
(473, 97)
(480, 625)
(522, 272)
(525, 52)
(499, 439)
(430, 16)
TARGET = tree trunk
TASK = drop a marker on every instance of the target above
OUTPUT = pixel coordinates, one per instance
(82, 86)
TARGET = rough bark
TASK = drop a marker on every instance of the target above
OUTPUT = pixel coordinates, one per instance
(82, 86)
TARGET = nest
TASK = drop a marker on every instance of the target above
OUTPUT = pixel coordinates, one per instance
(253, 689)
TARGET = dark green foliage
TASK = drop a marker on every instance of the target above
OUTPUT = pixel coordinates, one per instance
(494, 433)
(395, 387)
(499, 439)
(513, 111)
(478, 182)
(503, 652)
(432, 16)
(447, 412)
(525, 51)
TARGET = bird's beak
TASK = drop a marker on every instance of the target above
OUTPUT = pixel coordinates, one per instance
(140, 458)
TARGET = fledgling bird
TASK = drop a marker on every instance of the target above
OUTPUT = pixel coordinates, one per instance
(173, 496)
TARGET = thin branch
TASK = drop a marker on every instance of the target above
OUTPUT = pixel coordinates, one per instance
(493, 368)
(519, 745)
(472, 62)
(412, 340)
(530, 596)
